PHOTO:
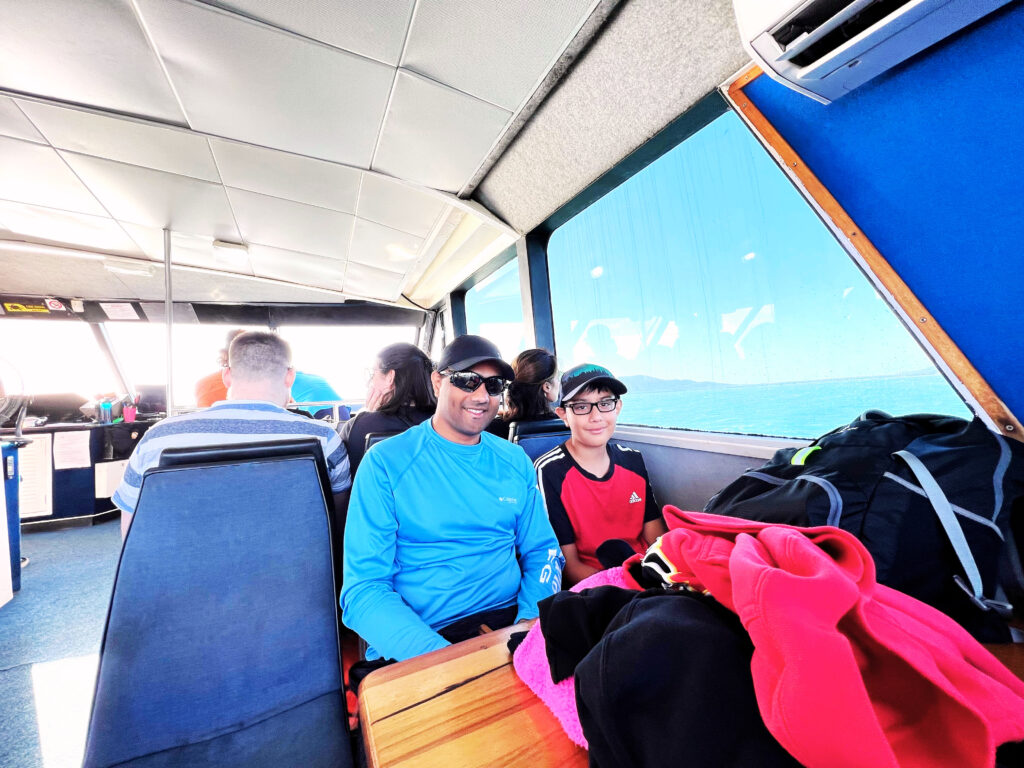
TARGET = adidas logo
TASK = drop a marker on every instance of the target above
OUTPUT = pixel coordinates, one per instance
(635, 498)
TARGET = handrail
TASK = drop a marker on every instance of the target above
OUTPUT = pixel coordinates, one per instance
(333, 404)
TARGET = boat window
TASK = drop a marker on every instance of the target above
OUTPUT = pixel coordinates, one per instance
(440, 338)
(141, 350)
(713, 290)
(54, 356)
(494, 310)
(342, 353)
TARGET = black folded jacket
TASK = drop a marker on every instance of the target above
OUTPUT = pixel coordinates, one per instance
(669, 684)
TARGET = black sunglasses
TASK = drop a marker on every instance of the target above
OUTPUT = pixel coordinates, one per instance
(468, 381)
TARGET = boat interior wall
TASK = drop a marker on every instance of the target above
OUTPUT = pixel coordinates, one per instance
(187, 115)
(689, 477)
(955, 140)
(653, 60)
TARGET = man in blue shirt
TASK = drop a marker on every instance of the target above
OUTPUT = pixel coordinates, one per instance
(446, 529)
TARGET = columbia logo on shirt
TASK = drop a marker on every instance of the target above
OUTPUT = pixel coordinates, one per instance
(635, 498)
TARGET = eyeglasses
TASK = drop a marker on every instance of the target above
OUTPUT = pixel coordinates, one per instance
(582, 407)
(468, 381)
(371, 372)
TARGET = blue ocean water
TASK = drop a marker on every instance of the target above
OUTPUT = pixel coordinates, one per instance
(793, 409)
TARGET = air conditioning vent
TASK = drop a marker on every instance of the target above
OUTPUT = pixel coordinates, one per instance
(826, 48)
(825, 26)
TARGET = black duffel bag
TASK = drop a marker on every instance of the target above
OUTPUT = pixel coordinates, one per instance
(934, 499)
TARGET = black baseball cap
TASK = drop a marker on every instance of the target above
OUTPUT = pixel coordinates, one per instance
(466, 351)
(576, 379)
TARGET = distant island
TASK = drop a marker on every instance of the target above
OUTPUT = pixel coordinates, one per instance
(651, 384)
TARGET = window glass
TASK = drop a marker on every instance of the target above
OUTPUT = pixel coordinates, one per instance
(494, 310)
(342, 353)
(141, 349)
(440, 340)
(713, 290)
(41, 357)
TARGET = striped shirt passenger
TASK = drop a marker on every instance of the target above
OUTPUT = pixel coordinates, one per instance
(258, 377)
(230, 422)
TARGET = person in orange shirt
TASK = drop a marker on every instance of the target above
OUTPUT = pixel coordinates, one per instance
(210, 389)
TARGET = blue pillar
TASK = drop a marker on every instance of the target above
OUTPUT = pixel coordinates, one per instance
(9, 455)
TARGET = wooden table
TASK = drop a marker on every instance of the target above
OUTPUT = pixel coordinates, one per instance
(460, 707)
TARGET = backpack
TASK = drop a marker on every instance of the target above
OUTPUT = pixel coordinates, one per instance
(935, 500)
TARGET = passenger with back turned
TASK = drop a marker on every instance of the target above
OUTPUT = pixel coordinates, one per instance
(447, 534)
(532, 393)
(258, 377)
(399, 395)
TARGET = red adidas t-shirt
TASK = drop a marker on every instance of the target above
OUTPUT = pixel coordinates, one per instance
(586, 510)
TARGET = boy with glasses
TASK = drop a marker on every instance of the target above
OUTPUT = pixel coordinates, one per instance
(447, 535)
(596, 493)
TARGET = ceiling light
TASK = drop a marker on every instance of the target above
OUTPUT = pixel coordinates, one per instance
(227, 245)
(227, 252)
(128, 266)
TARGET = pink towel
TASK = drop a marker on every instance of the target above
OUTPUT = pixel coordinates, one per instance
(531, 663)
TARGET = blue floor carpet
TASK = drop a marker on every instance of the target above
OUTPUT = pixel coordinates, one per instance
(58, 614)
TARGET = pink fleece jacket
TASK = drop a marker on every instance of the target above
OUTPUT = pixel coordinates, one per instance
(530, 662)
(847, 672)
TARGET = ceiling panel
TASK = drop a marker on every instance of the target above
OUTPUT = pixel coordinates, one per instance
(503, 49)
(398, 205)
(33, 173)
(242, 80)
(434, 135)
(52, 275)
(292, 177)
(189, 285)
(383, 247)
(14, 124)
(74, 229)
(294, 226)
(362, 280)
(373, 28)
(190, 250)
(297, 267)
(200, 286)
(87, 52)
(155, 198)
(128, 141)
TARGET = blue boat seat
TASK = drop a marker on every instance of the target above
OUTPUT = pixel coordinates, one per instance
(538, 437)
(372, 438)
(221, 645)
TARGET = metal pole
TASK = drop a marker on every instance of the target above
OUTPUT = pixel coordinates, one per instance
(169, 320)
(99, 330)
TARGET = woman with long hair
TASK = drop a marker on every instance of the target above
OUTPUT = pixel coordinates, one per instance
(533, 392)
(399, 395)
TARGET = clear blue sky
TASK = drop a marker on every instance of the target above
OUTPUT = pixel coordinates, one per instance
(708, 265)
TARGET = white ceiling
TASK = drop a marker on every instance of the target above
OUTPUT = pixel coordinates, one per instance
(328, 137)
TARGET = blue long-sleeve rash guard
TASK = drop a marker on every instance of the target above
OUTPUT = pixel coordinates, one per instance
(437, 531)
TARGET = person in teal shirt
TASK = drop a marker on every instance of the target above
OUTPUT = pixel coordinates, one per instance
(446, 528)
(310, 388)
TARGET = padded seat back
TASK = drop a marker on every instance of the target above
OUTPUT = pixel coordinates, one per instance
(372, 438)
(221, 644)
(538, 437)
